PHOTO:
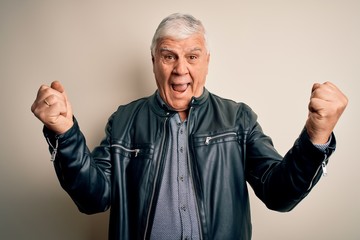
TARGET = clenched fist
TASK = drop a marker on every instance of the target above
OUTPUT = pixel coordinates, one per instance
(52, 107)
(327, 103)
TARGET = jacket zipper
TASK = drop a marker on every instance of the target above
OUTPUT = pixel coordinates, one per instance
(324, 169)
(323, 166)
(192, 179)
(136, 150)
(208, 139)
(54, 148)
(155, 180)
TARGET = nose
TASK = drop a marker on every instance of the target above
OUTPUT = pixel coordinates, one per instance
(181, 67)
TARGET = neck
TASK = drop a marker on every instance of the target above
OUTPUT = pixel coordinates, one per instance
(183, 115)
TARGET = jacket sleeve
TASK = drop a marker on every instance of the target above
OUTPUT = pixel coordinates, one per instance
(83, 175)
(282, 182)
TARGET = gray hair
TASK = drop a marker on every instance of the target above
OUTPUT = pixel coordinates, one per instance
(178, 26)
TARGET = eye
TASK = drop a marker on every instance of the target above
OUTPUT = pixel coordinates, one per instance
(168, 58)
(193, 58)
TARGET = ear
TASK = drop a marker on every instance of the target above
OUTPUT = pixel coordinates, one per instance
(208, 61)
(153, 62)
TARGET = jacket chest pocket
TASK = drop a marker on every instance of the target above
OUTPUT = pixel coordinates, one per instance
(218, 158)
(215, 150)
(133, 162)
(125, 151)
(215, 138)
(136, 151)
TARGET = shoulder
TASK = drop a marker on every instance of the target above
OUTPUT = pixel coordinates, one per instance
(223, 113)
(138, 103)
(227, 104)
(128, 112)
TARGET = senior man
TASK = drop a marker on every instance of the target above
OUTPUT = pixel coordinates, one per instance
(174, 165)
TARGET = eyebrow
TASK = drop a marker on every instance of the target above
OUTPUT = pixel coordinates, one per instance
(165, 49)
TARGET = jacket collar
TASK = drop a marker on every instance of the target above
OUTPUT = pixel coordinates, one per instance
(162, 109)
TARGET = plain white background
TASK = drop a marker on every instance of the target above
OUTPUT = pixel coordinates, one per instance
(265, 53)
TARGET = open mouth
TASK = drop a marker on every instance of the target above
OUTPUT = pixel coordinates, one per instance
(180, 87)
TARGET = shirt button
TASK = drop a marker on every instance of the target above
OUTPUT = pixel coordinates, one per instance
(181, 178)
(181, 131)
(181, 149)
(183, 207)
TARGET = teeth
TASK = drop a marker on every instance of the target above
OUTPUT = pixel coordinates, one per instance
(180, 87)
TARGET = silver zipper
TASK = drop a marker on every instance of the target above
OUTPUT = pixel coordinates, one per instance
(136, 150)
(155, 179)
(323, 167)
(208, 139)
(192, 180)
(54, 149)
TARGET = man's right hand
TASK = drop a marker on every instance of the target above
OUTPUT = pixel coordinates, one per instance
(52, 107)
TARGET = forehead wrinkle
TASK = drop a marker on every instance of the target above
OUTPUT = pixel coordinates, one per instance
(196, 49)
(167, 49)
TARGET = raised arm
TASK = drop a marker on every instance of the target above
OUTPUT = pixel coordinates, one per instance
(85, 176)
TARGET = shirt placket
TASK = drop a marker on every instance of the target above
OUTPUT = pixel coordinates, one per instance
(183, 182)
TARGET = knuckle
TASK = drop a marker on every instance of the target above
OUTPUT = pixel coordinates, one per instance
(41, 115)
(43, 87)
(51, 97)
(47, 91)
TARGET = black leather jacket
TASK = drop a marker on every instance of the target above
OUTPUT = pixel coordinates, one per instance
(227, 148)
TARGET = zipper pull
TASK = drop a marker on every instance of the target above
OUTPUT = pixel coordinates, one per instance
(207, 140)
(323, 166)
(53, 154)
(136, 152)
(54, 149)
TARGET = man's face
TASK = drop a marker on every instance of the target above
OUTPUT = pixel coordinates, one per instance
(180, 68)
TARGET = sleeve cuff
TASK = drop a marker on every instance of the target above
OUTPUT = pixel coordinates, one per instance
(323, 147)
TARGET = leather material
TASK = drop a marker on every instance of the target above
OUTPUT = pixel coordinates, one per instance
(227, 149)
